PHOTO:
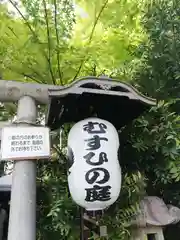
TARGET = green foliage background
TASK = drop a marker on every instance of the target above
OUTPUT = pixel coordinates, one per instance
(57, 41)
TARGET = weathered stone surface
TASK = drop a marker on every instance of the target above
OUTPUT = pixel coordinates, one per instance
(153, 211)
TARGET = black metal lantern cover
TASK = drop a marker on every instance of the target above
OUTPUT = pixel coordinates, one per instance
(105, 98)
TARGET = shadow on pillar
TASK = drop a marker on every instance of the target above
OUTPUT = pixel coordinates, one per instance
(4, 209)
(5, 194)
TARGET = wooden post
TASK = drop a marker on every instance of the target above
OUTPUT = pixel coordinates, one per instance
(81, 224)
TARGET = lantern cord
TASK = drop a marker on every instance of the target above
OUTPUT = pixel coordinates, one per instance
(81, 223)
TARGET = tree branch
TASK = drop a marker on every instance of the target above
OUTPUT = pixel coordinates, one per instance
(57, 37)
(31, 30)
(29, 76)
(34, 60)
(22, 73)
(90, 38)
(49, 42)
(25, 20)
(11, 29)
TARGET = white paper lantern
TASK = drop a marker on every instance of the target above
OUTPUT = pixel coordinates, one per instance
(94, 175)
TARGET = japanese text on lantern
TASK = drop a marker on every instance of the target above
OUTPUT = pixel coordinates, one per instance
(98, 176)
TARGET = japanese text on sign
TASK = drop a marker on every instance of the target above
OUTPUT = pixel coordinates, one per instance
(25, 142)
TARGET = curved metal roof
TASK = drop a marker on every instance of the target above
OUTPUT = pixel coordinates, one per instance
(110, 99)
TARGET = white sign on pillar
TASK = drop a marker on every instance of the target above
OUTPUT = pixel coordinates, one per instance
(94, 176)
(25, 143)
